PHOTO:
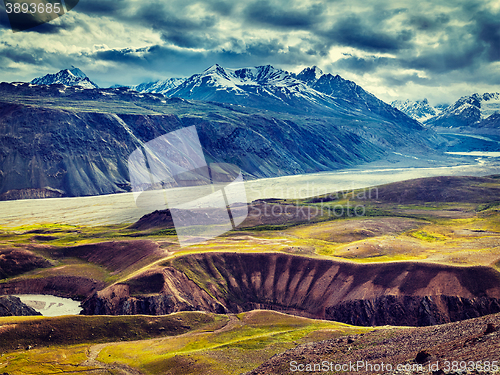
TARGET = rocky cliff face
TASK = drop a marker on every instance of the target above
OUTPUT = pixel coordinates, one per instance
(12, 306)
(154, 293)
(366, 294)
(412, 310)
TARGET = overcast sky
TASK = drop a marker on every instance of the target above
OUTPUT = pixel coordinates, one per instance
(395, 49)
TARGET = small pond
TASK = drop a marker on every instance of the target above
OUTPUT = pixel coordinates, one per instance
(48, 305)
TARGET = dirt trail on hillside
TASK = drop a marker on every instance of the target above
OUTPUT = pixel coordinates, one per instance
(94, 350)
(92, 361)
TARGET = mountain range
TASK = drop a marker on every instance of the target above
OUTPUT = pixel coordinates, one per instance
(309, 92)
(474, 113)
(420, 110)
(477, 112)
(159, 87)
(313, 92)
(60, 140)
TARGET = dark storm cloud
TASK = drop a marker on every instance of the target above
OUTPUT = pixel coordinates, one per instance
(103, 8)
(221, 7)
(169, 18)
(386, 40)
(265, 49)
(404, 79)
(189, 40)
(36, 56)
(4, 21)
(363, 65)
(125, 56)
(471, 45)
(425, 22)
(13, 55)
(353, 31)
(464, 48)
(184, 32)
(445, 60)
(187, 62)
(161, 18)
(283, 15)
(488, 34)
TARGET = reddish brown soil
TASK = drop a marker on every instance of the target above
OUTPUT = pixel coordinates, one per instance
(62, 286)
(157, 292)
(116, 256)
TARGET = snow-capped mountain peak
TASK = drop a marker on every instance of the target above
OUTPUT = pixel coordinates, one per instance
(273, 89)
(67, 77)
(310, 75)
(259, 75)
(77, 72)
(476, 105)
(472, 110)
(420, 110)
(489, 103)
(218, 70)
(159, 86)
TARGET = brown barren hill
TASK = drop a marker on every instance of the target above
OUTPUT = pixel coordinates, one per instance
(16, 261)
(396, 293)
(441, 189)
(116, 256)
(260, 212)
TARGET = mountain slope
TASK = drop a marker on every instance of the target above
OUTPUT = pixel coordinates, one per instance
(422, 350)
(348, 94)
(310, 75)
(67, 77)
(160, 86)
(85, 152)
